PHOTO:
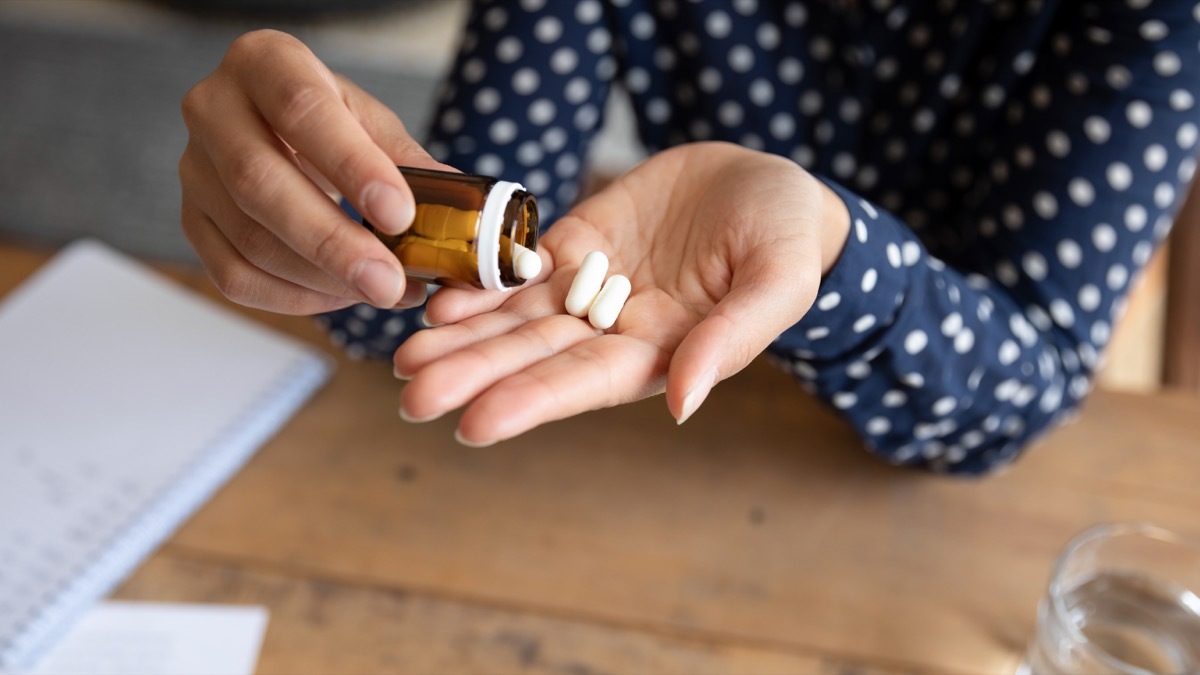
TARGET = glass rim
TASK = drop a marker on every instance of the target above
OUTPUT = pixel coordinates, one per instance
(1105, 530)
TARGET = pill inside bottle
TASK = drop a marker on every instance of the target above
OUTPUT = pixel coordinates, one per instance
(468, 230)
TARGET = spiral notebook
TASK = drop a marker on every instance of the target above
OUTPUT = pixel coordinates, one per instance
(125, 402)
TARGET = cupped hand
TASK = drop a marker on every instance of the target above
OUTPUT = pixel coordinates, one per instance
(273, 134)
(724, 247)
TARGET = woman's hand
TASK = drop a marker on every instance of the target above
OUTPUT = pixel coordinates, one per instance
(724, 247)
(274, 134)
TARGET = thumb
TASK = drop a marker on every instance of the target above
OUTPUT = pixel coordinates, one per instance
(770, 290)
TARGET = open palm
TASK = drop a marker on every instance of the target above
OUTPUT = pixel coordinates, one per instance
(722, 246)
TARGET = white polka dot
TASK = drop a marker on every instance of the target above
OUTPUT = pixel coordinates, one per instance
(664, 58)
(844, 165)
(1116, 277)
(804, 370)
(993, 96)
(1089, 297)
(741, 59)
(910, 252)
(658, 111)
(767, 36)
(1104, 237)
(868, 280)
(1142, 253)
(567, 165)
(1034, 264)
(487, 101)
(1118, 76)
(1164, 195)
(1166, 63)
(599, 40)
(864, 323)
(1182, 99)
(554, 139)
(915, 342)
(1081, 191)
(730, 113)
(529, 153)
(709, 80)
(1186, 136)
(1040, 96)
(577, 90)
(473, 70)
(913, 380)
(547, 29)
(588, 11)
(525, 81)
(1187, 168)
(1119, 176)
(1058, 144)
(1101, 333)
(923, 121)
(1069, 253)
(893, 255)
(1139, 114)
(964, 341)
(952, 324)
(944, 406)
(877, 426)
(1097, 129)
(502, 131)
(532, 5)
(1045, 205)
(452, 120)
(564, 60)
(761, 92)
(537, 181)
(1155, 157)
(489, 165)
(509, 49)
(1153, 30)
(717, 24)
(782, 126)
(810, 102)
(829, 301)
(894, 398)
(1009, 352)
(820, 48)
(1135, 217)
(816, 333)
(790, 70)
(1077, 83)
(1006, 273)
(844, 399)
(586, 117)
(495, 19)
(1062, 313)
(1006, 389)
(642, 26)
(858, 370)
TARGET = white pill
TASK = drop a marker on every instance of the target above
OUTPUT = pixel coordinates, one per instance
(587, 283)
(527, 264)
(608, 304)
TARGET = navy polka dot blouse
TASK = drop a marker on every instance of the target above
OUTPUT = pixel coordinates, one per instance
(1009, 167)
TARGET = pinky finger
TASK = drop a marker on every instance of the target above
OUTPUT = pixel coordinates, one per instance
(245, 284)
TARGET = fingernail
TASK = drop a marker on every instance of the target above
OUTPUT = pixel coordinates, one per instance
(400, 376)
(414, 294)
(470, 444)
(416, 420)
(379, 282)
(388, 208)
(693, 399)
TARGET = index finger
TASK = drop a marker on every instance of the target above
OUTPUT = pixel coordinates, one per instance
(302, 102)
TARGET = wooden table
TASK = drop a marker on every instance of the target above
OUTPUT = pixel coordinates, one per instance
(757, 538)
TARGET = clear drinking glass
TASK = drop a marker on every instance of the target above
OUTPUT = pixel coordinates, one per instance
(1123, 598)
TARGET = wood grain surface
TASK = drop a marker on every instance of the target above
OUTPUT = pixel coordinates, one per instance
(758, 537)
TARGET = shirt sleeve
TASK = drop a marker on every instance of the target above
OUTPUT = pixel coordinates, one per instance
(957, 361)
(522, 102)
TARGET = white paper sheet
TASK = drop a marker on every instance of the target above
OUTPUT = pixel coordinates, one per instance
(151, 638)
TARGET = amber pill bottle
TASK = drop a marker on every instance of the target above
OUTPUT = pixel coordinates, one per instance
(467, 229)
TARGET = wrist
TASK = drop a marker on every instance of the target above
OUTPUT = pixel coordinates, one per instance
(835, 227)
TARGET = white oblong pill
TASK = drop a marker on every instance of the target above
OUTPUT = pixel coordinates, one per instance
(527, 264)
(587, 283)
(609, 302)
